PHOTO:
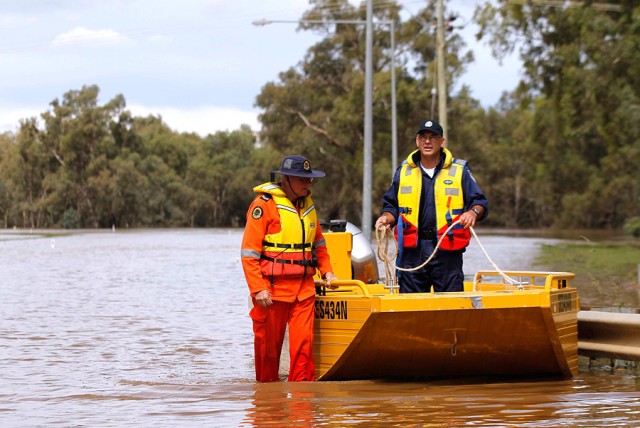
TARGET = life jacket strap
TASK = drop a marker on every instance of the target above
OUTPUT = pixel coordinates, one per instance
(287, 246)
(289, 262)
(400, 229)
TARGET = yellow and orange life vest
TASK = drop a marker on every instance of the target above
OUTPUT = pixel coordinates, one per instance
(289, 253)
(449, 203)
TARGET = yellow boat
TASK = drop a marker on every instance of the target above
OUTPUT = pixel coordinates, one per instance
(492, 329)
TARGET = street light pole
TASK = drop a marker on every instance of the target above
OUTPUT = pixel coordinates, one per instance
(394, 124)
(367, 182)
(367, 179)
(442, 86)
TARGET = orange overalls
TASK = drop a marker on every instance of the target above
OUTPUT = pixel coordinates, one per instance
(293, 296)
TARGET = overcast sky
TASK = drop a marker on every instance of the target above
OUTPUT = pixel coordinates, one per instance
(197, 63)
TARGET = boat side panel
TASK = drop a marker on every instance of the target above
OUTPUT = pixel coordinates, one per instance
(338, 319)
(564, 305)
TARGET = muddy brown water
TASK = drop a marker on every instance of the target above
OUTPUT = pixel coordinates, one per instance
(150, 328)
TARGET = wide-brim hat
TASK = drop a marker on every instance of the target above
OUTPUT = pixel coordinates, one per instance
(431, 126)
(297, 166)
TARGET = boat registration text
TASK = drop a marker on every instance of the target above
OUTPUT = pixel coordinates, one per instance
(331, 309)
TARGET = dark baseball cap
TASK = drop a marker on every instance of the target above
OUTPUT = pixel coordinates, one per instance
(298, 166)
(431, 126)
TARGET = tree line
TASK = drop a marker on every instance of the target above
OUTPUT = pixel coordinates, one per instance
(560, 150)
(91, 166)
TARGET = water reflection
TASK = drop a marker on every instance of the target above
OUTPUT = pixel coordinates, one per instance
(151, 328)
(276, 404)
(564, 403)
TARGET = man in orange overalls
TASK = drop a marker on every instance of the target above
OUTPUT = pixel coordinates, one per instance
(282, 247)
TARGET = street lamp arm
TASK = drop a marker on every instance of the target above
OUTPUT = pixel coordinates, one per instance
(263, 22)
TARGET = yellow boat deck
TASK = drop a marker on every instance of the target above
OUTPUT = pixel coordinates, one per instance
(364, 331)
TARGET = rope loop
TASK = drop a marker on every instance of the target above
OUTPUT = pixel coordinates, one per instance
(383, 237)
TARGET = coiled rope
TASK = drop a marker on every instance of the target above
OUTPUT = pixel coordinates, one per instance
(383, 237)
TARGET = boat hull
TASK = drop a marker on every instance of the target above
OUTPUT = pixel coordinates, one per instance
(367, 332)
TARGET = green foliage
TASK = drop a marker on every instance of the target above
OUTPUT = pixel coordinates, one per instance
(632, 227)
(605, 272)
(94, 165)
(581, 68)
(70, 219)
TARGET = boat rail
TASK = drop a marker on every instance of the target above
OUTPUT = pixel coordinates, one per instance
(526, 280)
(484, 280)
(351, 283)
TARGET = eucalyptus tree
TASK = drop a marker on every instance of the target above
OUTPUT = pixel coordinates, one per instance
(222, 173)
(10, 172)
(77, 133)
(582, 84)
(30, 174)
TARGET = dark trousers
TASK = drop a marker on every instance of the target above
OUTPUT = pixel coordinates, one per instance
(444, 271)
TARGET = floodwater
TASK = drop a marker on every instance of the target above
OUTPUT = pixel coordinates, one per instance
(151, 328)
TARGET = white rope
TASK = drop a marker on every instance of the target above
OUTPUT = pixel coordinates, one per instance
(506, 277)
(390, 269)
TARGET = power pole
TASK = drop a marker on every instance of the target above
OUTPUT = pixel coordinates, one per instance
(442, 84)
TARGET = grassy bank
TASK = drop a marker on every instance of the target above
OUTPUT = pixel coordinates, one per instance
(606, 272)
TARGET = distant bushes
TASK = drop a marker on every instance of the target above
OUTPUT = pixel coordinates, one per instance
(632, 227)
